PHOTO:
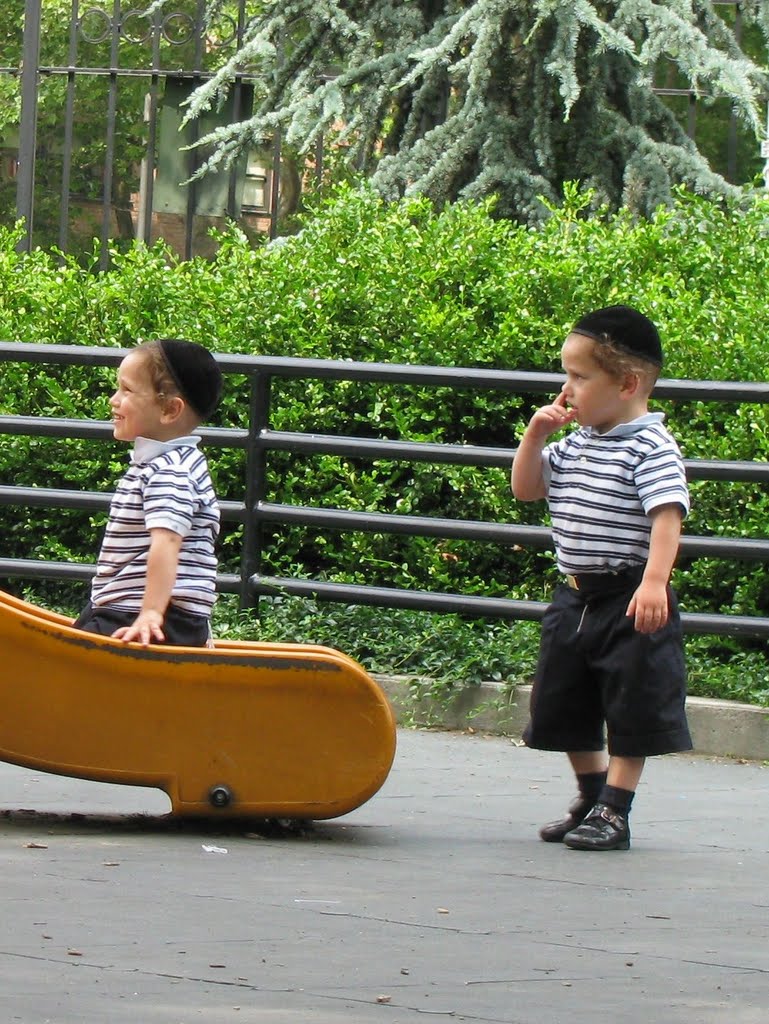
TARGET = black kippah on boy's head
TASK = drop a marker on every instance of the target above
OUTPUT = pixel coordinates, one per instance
(626, 328)
(195, 373)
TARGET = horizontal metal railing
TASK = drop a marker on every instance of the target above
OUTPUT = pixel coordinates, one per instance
(259, 439)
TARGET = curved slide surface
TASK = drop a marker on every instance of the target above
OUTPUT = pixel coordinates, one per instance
(240, 730)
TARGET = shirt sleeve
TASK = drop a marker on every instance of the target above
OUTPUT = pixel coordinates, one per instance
(169, 499)
(661, 479)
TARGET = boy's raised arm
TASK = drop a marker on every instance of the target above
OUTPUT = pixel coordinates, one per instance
(526, 479)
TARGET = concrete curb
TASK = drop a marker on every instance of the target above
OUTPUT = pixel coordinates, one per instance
(719, 727)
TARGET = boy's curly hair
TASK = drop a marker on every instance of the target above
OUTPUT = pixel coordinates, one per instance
(618, 361)
(162, 382)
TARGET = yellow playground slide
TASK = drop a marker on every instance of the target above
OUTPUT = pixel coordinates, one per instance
(240, 730)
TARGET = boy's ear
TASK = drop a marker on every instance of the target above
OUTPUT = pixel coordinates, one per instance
(173, 408)
(631, 382)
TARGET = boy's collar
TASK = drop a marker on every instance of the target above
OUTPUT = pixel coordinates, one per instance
(146, 448)
(631, 427)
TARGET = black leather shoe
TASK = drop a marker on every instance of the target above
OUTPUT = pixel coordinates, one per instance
(602, 829)
(554, 831)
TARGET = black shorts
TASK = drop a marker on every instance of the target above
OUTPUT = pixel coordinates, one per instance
(594, 668)
(181, 629)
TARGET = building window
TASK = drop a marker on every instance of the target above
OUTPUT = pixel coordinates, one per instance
(256, 186)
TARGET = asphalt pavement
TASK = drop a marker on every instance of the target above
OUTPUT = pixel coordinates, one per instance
(435, 901)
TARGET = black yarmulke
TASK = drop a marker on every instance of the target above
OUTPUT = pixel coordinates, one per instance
(627, 328)
(195, 372)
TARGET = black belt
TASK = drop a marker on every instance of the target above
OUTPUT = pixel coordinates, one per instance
(599, 582)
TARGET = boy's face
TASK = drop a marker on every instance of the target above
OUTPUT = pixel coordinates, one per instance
(136, 408)
(598, 399)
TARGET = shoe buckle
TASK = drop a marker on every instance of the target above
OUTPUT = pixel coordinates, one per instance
(611, 816)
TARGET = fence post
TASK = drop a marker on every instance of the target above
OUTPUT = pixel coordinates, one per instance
(25, 184)
(256, 484)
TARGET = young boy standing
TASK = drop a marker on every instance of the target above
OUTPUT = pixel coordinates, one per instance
(155, 580)
(611, 648)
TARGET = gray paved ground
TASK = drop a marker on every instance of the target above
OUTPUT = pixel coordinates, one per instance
(434, 901)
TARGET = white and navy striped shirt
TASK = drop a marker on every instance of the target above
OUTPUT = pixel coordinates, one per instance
(168, 486)
(602, 487)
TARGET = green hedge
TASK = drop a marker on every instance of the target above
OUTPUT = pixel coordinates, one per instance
(403, 282)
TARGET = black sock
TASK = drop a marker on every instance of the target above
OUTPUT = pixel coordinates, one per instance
(591, 785)
(618, 799)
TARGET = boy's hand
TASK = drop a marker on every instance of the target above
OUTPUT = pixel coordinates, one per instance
(146, 628)
(550, 418)
(649, 607)
(526, 478)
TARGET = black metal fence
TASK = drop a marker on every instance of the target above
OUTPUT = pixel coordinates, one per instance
(260, 439)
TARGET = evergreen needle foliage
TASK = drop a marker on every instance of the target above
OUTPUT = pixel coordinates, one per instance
(472, 98)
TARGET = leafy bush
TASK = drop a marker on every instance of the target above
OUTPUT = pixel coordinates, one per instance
(445, 649)
(402, 282)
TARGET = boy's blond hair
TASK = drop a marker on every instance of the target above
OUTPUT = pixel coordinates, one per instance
(618, 362)
(161, 380)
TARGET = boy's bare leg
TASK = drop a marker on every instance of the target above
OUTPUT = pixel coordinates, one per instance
(625, 772)
(587, 761)
(622, 772)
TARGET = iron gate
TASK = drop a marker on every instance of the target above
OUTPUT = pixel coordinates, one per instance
(113, 163)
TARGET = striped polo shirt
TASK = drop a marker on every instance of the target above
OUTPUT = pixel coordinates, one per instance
(602, 487)
(168, 486)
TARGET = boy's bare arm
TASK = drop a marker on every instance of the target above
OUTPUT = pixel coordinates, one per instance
(526, 479)
(649, 604)
(162, 567)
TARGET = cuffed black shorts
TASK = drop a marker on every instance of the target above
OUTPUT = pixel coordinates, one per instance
(182, 629)
(595, 669)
